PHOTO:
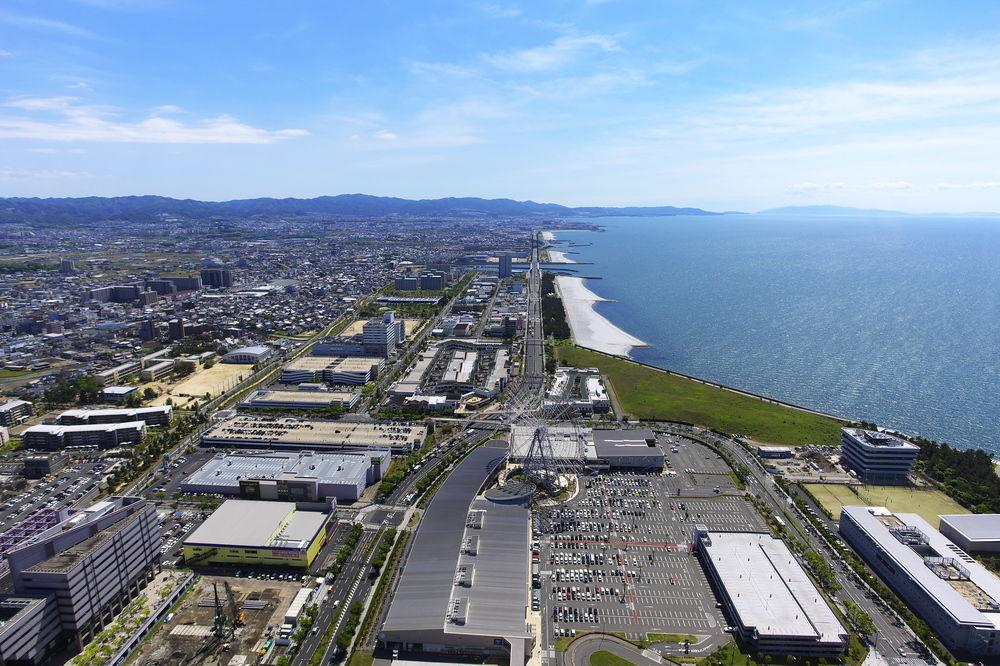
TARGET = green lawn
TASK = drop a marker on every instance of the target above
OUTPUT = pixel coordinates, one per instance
(7, 374)
(605, 658)
(646, 393)
(670, 638)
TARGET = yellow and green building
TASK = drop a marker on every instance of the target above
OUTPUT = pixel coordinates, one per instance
(260, 533)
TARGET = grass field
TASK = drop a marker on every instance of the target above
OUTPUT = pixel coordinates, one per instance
(928, 504)
(646, 393)
(832, 497)
(605, 658)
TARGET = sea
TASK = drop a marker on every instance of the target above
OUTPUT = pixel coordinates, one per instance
(894, 320)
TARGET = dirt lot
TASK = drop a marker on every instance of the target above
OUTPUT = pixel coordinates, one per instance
(187, 638)
(215, 381)
(411, 326)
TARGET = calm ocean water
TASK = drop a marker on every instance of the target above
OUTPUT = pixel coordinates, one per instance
(893, 320)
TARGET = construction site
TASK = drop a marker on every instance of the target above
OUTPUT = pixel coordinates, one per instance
(222, 620)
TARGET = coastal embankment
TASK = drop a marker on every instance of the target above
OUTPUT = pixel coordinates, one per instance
(589, 328)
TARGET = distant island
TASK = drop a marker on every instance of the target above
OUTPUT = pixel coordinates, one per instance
(156, 208)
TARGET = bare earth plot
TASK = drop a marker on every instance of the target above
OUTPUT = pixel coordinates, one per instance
(214, 381)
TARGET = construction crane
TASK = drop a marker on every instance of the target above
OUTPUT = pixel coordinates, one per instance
(219, 626)
(236, 615)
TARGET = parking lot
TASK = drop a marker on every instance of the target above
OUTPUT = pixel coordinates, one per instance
(616, 557)
(75, 483)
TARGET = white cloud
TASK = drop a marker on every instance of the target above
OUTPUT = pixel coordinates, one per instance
(802, 188)
(556, 54)
(66, 119)
(4, 53)
(386, 135)
(43, 151)
(894, 185)
(166, 109)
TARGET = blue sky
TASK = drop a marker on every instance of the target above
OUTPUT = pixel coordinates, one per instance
(729, 105)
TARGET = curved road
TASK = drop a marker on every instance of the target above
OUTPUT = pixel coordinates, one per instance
(582, 649)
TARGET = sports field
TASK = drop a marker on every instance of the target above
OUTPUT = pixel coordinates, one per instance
(928, 504)
(648, 393)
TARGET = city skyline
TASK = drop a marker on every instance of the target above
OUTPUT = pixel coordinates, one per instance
(871, 104)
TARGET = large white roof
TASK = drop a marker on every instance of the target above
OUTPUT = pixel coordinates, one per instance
(769, 590)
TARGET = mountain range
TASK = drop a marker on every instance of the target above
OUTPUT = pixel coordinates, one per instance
(155, 208)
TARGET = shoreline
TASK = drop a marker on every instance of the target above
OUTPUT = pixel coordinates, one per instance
(588, 327)
(559, 257)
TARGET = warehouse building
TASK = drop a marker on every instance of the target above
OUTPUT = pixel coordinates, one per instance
(973, 533)
(877, 457)
(257, 533)
(151, 416)
(101, 435)
(288, 433)
(348, 370)
(302, 399)
(769, 599)
(293, 477)
(87, 567)
(628, 449)
(957, 596)
(248, 355)
(464, 587)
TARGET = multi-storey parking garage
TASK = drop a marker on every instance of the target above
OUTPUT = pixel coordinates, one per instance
(617, 556)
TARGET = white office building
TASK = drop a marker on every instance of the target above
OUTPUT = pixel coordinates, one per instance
(877, 457)
(957, 596)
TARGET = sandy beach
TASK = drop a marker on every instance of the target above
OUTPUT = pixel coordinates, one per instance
(548, 236)
(589, 328)
(559, 257)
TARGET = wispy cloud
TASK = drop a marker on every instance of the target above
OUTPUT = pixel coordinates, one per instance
(809, 187)
(11, 174)
(495, 10)
(386, 135)
(894, 185)
(553, 55)
(41, 23)
(4, 53)
(981, 185)
(66, 119)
